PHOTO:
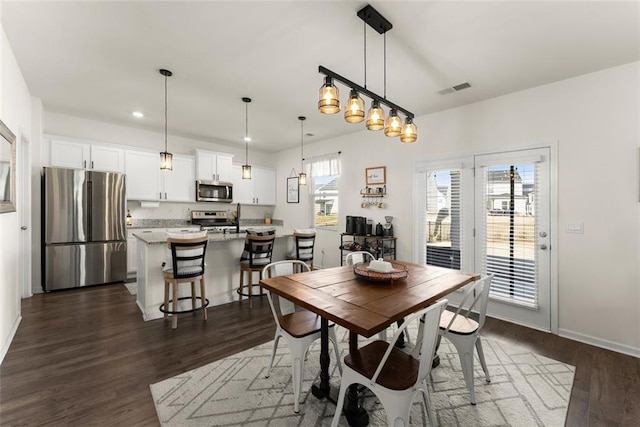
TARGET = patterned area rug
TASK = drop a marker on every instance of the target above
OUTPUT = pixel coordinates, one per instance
(525, 390)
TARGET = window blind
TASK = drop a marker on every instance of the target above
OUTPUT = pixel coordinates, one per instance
(508, 231)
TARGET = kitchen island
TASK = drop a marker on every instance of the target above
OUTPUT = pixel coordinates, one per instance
(222, 271)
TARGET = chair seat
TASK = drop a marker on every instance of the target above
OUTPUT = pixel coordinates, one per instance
(300, 323)
(193, 269)
(399, 373)
(258, 263)
(461, 325)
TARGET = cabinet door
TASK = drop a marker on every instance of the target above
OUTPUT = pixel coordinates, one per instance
(265, 186)
(180, 183)
(107, 159)
(224, 168)
(205, 167)
(67, 154)
(242, 188)
(143, 175)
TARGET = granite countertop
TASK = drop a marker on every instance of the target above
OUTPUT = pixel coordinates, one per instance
(160, 237)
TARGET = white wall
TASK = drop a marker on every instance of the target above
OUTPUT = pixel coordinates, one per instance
(15, 112)
(594, 118)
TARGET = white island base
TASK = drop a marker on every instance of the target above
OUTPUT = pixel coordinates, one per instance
(222, 271)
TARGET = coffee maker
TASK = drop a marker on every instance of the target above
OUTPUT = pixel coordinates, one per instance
(387, 228)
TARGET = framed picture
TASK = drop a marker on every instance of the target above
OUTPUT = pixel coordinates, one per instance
(293, 190)
(376, 175)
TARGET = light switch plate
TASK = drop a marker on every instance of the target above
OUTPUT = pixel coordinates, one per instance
(575, 227)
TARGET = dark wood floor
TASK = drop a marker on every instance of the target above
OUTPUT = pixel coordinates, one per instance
(85, 357)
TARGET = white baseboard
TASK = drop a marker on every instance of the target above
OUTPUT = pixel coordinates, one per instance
(598, 342)
(7, 343)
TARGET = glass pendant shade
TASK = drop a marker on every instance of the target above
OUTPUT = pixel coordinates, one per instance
(375, 117)
(246, 172)
(166, 160)
(354, 113)
(393, 127)
(129, 219)
(302, 178)
(409, 132)
(329, 101)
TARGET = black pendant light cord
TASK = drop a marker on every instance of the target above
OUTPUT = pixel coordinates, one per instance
(165, 113)
(301, 143)
(364, 24)
(385, 65)
(246, 133)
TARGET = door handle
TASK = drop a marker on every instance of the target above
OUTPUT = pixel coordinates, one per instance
(543, 247)
(24, 227)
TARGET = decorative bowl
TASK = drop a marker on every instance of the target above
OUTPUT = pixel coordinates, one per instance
(361, 270)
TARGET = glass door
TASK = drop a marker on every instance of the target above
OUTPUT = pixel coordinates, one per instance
(512, 227)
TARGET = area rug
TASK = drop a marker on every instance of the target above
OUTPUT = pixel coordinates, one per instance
(132, 287)
(526, 389)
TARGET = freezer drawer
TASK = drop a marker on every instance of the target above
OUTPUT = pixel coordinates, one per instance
(75, 265)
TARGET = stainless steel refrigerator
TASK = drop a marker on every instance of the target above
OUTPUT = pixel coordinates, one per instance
(84, 230)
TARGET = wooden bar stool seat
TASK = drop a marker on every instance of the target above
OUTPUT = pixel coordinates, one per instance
(258, 250)
(186, 266)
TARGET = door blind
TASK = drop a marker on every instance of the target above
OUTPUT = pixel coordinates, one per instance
(443, 220)
(509, 227)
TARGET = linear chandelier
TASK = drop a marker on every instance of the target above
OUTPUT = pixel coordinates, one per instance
(329, 101)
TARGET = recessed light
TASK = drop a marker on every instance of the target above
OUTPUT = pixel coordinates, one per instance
(137, 114)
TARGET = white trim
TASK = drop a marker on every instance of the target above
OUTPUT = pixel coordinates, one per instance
(599, 342)
(7, 343)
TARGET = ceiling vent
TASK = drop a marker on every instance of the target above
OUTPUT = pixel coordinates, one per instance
(456, 88)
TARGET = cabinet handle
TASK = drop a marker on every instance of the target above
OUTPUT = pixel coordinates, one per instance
(160, 195)
(165, 195)
(84, 164)
(91, 164)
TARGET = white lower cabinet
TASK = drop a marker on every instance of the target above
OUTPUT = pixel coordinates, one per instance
(259, 190)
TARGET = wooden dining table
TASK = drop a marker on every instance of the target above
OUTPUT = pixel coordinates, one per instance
(363, 306)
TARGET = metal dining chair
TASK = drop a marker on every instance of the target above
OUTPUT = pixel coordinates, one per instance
(393, 375)
(300, 328)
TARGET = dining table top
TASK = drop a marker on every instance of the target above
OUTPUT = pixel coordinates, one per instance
(363, 306)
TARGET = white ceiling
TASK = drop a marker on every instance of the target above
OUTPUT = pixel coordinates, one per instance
(100, 60)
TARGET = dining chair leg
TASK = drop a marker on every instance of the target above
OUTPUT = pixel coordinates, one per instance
(276, 339)
(203, 298)
(482, 361)
(174, 316)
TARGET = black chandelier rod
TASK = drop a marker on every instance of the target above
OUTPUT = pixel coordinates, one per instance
(327, 72)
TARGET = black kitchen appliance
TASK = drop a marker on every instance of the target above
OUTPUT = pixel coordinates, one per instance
(361, 225)
(351, 225)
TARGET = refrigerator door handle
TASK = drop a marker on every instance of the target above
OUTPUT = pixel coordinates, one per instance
(89, 211)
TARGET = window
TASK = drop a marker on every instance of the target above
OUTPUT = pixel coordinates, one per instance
(325, 174)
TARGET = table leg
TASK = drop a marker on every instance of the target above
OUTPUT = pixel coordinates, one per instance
(356, 415)
(321, 391)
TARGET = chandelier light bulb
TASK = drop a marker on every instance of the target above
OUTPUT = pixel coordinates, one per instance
(329, 102)
(375, 118)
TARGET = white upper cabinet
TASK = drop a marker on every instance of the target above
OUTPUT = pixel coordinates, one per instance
(179, 184)
(212, 166)
(86, 155)
(146, 182)
(259, 190)
(143, 175)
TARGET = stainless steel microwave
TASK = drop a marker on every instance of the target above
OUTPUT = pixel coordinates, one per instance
(214, 191)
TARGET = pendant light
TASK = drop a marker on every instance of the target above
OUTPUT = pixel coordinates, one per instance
(409, 132)
(354, 113)
(329, 102)
(246, 169)
(375, 117)
(393, 126)
(166, 158)
(302, 177)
